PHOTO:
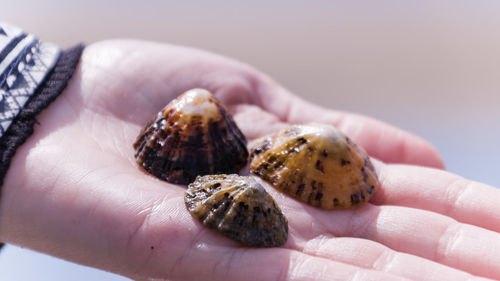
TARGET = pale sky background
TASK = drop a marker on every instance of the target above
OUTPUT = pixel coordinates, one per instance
(430, 67)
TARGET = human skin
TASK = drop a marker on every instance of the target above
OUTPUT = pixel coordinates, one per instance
(74, 190)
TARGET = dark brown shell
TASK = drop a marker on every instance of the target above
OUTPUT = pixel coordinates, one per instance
(193, 135)
(238, 207)
(315, 164)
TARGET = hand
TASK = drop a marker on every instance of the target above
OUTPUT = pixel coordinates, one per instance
(75, 191)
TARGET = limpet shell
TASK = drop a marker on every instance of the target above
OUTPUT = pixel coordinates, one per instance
(238, 207)
(193, 135)
(316, 164)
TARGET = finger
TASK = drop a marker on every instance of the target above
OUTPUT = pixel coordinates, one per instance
(380, 140)
(210, 263)
(417, 232)
(371, 255)
(441, 192)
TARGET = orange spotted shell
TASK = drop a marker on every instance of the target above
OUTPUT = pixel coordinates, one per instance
(315, 164)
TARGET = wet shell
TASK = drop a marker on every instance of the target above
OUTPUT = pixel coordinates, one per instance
(315, 164)
(239, 208)
(193, 135)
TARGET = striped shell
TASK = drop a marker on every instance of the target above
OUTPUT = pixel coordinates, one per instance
(193, 135)
(315, 164)
(239, 208)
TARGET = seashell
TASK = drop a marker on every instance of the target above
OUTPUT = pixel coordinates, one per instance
(315, 164)
(238, 207)
(193, 135)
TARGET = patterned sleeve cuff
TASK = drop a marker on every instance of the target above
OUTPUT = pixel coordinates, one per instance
(24, 63)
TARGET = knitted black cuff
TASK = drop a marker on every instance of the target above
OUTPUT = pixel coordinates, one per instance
(22, 126)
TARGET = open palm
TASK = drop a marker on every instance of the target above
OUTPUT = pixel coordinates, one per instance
(75, 191)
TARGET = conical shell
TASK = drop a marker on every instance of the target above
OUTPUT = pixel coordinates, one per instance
(315, 164)
(239, 208)
(193, 135)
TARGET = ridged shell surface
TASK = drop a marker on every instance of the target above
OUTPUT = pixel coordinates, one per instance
(315, 164)
(193, 135)
(238, 207)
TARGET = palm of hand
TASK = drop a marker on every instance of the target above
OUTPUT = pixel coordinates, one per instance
(78, 194)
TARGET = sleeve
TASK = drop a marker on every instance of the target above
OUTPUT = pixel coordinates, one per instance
(32, 75)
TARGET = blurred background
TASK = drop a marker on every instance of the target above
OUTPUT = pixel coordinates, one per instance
(430, 67)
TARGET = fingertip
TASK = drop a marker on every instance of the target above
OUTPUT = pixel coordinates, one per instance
(388, 143)
(407, 148)
(427, 155)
